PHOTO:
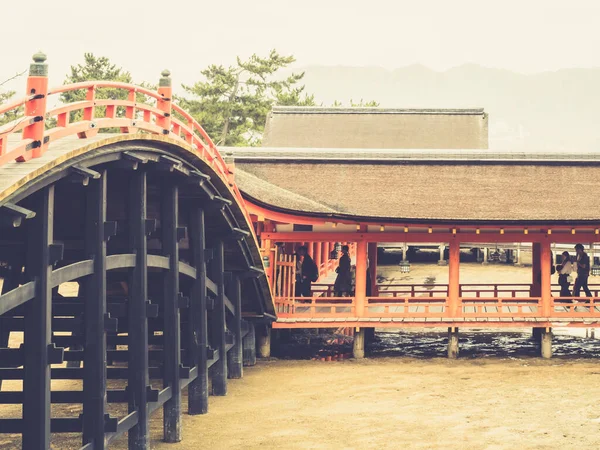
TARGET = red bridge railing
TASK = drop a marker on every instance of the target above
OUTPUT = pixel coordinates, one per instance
(143, 110)
(495, 302)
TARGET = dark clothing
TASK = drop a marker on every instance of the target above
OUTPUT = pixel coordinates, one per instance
(583, 264)
(310, 269)
(343, 281)
(583, 272)
(306, 273)
(303, 288)
(563, 280)
(581, 283)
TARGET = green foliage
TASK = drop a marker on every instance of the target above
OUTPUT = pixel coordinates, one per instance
(232, 103)
(361, 104)
(295, 97)
(9, 116)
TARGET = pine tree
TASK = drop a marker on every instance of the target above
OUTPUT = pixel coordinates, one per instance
(232, 103)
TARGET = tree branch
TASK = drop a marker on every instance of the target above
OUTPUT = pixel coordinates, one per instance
(17, 75)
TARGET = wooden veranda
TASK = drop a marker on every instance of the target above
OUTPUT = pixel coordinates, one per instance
(454, 305)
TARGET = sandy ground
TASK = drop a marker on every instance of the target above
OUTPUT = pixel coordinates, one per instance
(469, 273)
(403, 403)
(433, 403)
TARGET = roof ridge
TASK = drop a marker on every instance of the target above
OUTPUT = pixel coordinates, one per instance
(372, 110)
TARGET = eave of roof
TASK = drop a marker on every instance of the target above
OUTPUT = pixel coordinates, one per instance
(379, 220)
(403, 156)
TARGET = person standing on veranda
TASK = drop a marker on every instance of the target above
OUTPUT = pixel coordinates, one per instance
(564, 274)
(582, 263)
(343, 281)
(307, 272)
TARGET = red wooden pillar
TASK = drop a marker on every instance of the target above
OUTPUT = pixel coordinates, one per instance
(546, 281)
(164, 103)
(361, 278)
(372, 251)
(324, 257)
(267, 246)
(318, 256)
(536, 290)
(37, 90)
(453, 277)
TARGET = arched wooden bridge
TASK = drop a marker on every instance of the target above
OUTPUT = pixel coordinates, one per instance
(129, 262)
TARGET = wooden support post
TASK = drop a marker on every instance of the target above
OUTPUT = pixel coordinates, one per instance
(452, 342)
(249, 344)
(94, 286)
(334, 262)
(37, 91)
(10, 282)
(165, 102)
(546, 343)
(263, 339)
(546, 281)
(318, 256)
(38, 325)
(536, 289)
(454, 278)
(517, 261)
(267, 245)
(358, 345)
(325, 256)
(235, 354)
(198, 389)
(137, 313)
(442, 260)
(536, 335)
(171, 319)
(219, 373)
(369, 335)
(372, 254)
(361, 279)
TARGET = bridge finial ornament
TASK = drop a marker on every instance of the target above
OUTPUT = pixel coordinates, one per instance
(165, 79)
(39, 68)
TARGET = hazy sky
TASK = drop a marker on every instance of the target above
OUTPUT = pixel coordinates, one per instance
(185, 36)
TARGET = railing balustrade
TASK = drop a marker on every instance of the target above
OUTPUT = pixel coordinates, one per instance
(315, 306)
(575, 307)
(500, 307)
(406, 306)
(486, 290)
(496, 301)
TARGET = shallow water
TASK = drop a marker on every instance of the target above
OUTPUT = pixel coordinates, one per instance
(567, 343)
(481, 344)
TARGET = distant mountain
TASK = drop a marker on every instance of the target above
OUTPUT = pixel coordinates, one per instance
(550, 110)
